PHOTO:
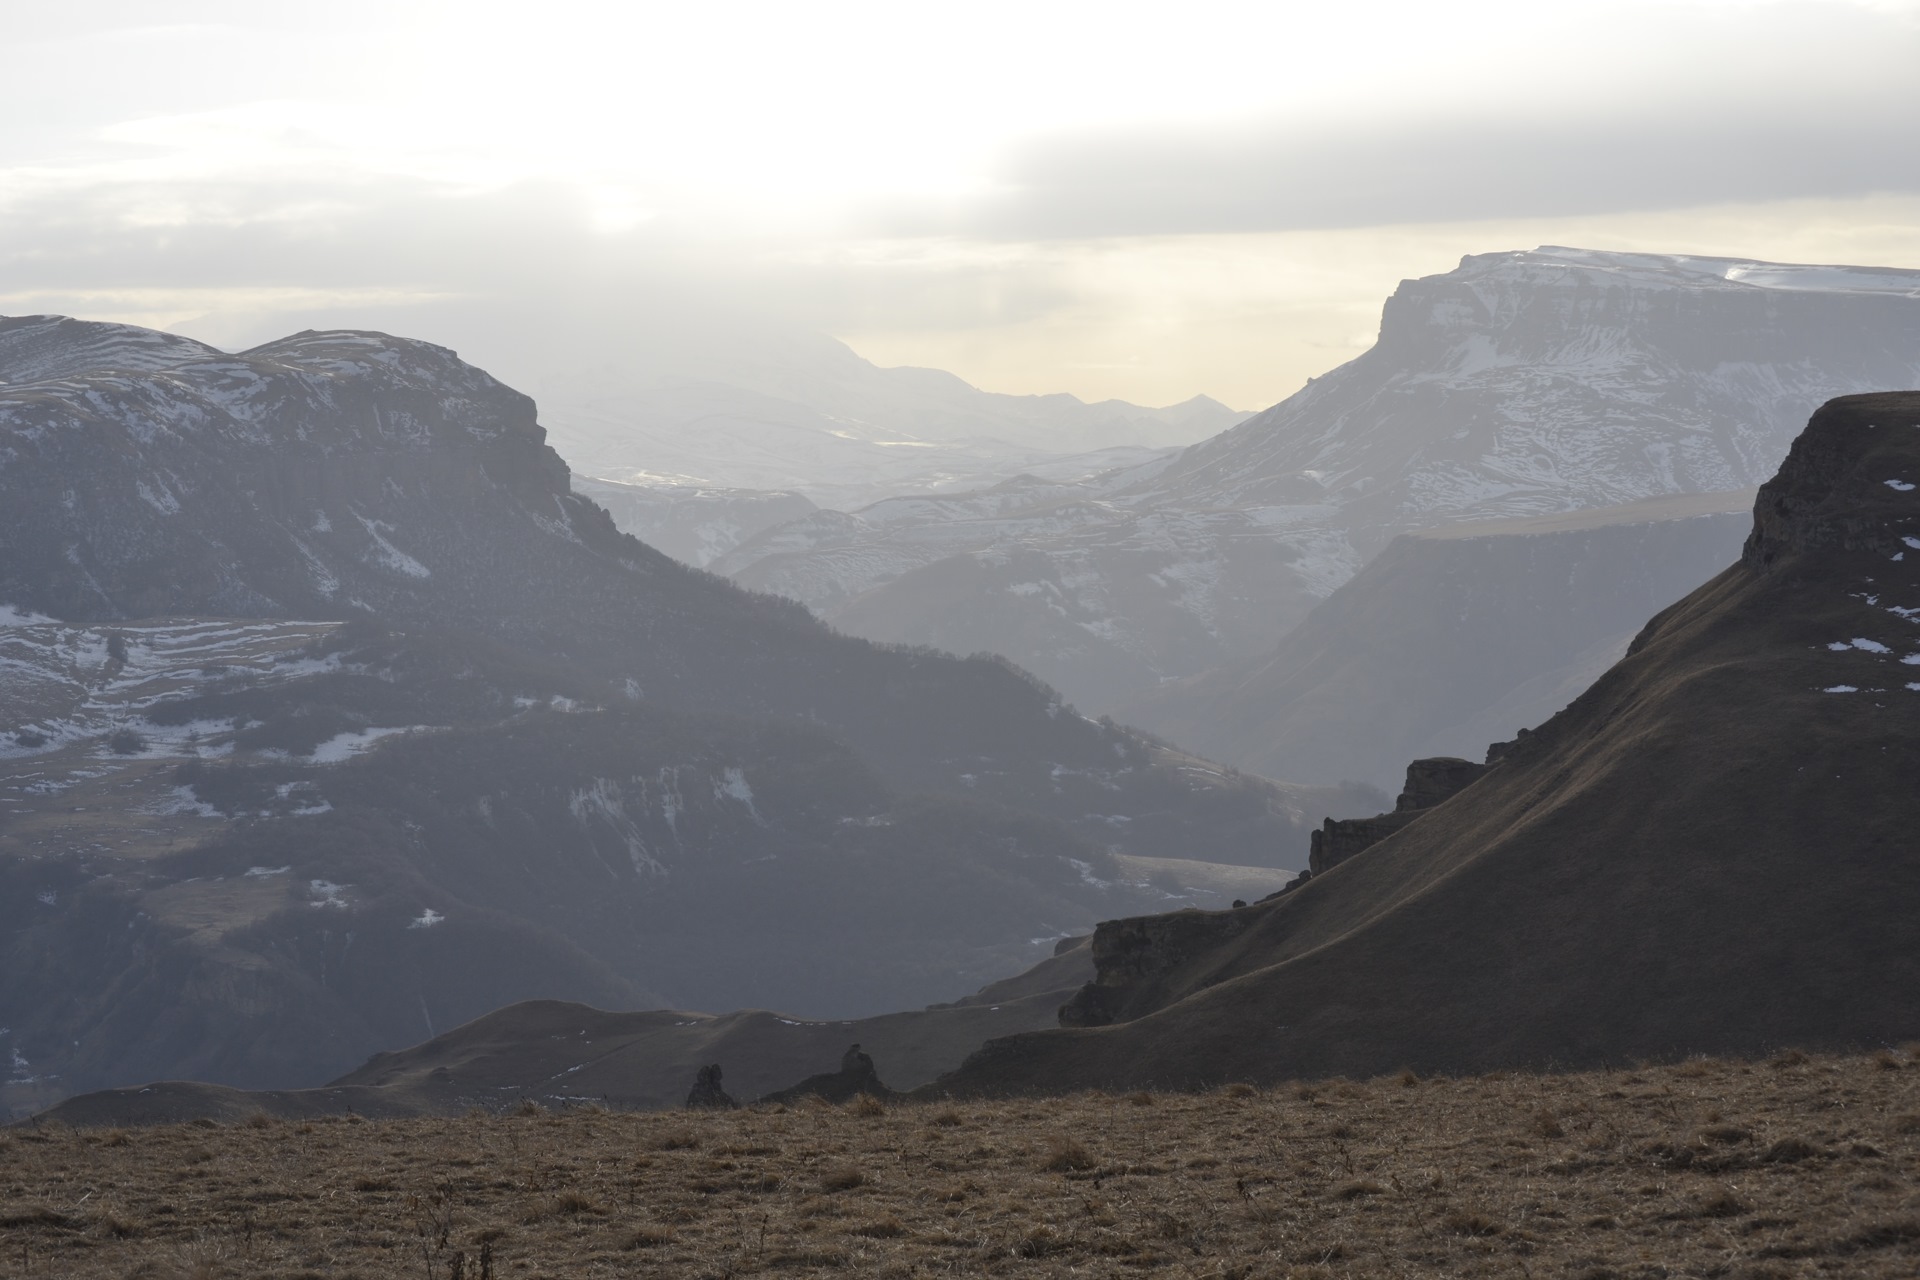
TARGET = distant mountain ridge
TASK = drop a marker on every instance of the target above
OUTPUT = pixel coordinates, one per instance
(748, 408)
(1518, 385)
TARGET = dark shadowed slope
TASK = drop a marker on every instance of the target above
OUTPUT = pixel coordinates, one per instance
(1452, 638)
(1712, 850)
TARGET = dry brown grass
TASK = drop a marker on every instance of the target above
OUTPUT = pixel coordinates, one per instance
(1751, 1172)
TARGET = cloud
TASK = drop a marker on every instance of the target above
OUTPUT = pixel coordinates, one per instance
(266, 186)
(1702, 105)
(1280, 177)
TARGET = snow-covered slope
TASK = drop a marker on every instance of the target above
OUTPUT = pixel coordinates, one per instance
(38, 348)
(1527, 383)
(62, 684)
(1520, 384)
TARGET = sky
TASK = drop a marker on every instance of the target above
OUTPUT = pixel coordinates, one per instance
(1148, 201)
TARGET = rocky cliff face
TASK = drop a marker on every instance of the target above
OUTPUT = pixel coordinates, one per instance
(1562, 379)
(1709, 851)
(1519, 385)
(1142, 963)
(1430, 782)
(323, 475)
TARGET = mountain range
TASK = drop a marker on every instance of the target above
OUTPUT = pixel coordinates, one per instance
(1708, 852)
(1518, 386)
(335, 718)
(721, 404)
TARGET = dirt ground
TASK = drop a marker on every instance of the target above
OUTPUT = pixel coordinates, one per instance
(1797, 1166)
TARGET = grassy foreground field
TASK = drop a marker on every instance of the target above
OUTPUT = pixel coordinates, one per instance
(1798, 1166)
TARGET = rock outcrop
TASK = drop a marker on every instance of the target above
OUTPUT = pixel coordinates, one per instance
(1429, 782)
(707, 1094)
(857, 1077)
(1138, 961)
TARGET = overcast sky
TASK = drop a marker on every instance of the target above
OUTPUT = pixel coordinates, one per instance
(1141, 200)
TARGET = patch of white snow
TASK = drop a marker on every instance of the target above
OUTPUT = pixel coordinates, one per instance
(344, 746)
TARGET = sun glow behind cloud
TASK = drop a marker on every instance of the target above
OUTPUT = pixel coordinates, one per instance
(1054, 196)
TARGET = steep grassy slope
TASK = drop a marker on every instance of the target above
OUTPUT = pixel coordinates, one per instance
(1711, 850)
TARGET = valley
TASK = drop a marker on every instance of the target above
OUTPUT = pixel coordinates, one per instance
(416, 747)
(900, 641)
(356, 724)
(1518, 386)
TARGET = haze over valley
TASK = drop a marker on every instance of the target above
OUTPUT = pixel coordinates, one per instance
(1257, 642)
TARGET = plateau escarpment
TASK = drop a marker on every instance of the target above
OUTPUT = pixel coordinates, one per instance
(1519, 386)
(333, 717)
(1710, 850)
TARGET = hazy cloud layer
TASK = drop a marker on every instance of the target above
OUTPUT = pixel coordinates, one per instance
(1097, 198)
(1280, 178)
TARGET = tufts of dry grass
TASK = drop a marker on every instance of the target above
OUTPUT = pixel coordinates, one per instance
(1065, 1155)
(843, 1177)
(1797, 1166)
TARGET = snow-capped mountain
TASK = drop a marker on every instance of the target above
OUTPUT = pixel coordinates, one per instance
(1519, 384)
(1528, 383)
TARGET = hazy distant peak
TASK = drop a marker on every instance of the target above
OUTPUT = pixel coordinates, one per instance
(312, 345)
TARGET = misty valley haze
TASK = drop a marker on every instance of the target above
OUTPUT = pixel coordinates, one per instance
(875, 640)
(324, 669)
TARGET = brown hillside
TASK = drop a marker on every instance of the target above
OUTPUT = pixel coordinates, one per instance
(1715, 849)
